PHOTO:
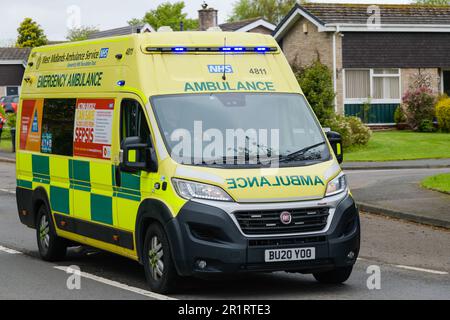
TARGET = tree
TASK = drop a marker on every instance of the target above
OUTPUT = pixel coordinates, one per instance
(317, 85)
(434, 2)
(135, 22)
(30, 35)
(271, 10)
(167, 14)
(81, 33)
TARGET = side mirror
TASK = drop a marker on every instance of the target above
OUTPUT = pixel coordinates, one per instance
(138, 156)
(336, 143)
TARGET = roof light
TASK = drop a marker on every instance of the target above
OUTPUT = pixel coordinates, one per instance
(179, 49)
(261, 49)
(226, 49)
(121, 83)
(238, 49)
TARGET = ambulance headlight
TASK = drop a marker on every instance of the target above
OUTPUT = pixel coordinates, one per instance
(337, 185)
(189, 190)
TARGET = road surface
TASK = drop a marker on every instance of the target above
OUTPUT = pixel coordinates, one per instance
(414, 262)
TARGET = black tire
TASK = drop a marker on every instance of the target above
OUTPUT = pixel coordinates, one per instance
(51, 247)
(161, 280)
(335, 276)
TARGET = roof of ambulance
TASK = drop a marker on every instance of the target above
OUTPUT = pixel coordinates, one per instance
(185, 38)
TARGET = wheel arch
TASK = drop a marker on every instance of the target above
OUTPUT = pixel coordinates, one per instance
(152, 210)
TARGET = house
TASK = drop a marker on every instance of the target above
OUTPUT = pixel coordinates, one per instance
(12, 66)
(208, 20)
(121, 31)
(258, 25)
(376, 52)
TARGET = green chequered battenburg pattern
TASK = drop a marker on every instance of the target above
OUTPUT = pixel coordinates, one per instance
(59, 198)
(80, 176)
(41, 169)
(130, 188)
(25, 184)
(101, 209)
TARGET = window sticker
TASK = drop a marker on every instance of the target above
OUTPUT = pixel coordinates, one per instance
(31, 125)
(93, 128)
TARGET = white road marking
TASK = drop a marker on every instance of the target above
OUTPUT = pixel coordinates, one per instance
(120, 285)
(8, 250)
(7, 191)
(422, 270)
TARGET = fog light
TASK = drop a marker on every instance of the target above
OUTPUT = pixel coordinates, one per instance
(351, 255)
(201, 264)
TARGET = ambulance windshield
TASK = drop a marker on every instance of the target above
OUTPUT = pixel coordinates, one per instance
(246, 129)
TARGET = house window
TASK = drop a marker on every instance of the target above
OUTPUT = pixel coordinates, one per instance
(386, 84)
(357, 84)
(380, 85)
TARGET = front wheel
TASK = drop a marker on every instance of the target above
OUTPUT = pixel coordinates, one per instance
(158, 264)
(51, 247)
(335, 276)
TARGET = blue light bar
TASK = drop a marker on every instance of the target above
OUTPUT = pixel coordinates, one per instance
(261, 49)
(228, 49)
(179, 49)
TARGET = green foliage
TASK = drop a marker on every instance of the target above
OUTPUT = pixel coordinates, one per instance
(352, 130)
(399, 115)
(433, 2)
(427, 126)
(418, 106)
(135, 22)
(30, 35)
(443, 114)
(167, 14)
(11, 120)
(271, 10)
(81, 33)
(317, 85)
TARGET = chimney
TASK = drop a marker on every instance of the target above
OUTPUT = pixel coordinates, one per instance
(207, 17)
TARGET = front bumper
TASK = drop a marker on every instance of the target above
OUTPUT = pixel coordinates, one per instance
(203, 232)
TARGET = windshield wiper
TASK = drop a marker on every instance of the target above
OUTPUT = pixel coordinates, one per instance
(296, 154)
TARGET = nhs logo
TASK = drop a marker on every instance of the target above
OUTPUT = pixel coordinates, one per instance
(104, 53)
(220, 68)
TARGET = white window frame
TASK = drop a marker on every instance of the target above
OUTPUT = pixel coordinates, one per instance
(372, 75)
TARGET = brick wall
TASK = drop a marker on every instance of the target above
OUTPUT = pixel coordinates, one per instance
(408, 77)
(262, 30)
(302, 49)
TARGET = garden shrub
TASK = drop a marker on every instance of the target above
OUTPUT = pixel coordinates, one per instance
(418, 106)
(399, 115)
(352, 130)
(360, 132)
(316, 82)
(443, 114)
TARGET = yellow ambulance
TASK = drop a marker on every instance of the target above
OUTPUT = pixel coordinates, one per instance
(193, 153)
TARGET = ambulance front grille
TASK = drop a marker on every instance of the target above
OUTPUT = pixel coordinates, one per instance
(269, 222)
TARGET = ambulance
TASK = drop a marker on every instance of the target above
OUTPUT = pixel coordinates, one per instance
(192, 153)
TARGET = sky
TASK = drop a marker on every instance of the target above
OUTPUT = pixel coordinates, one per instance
(55, 16)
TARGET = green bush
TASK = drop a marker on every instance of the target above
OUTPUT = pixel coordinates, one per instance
(399, 115)
(427, 126)
(418, 105)
(316, 82)
(352, 130)
(443, 114)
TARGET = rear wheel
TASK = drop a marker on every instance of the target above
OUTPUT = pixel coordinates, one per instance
(335, 276)
(158, 264)
(51, 247)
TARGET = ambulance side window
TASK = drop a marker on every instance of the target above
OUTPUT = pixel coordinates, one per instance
(133, 122)
(57, 126)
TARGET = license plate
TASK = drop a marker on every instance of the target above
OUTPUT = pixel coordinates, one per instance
(296, 254)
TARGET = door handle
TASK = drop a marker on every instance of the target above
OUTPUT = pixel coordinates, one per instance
(118, 177)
